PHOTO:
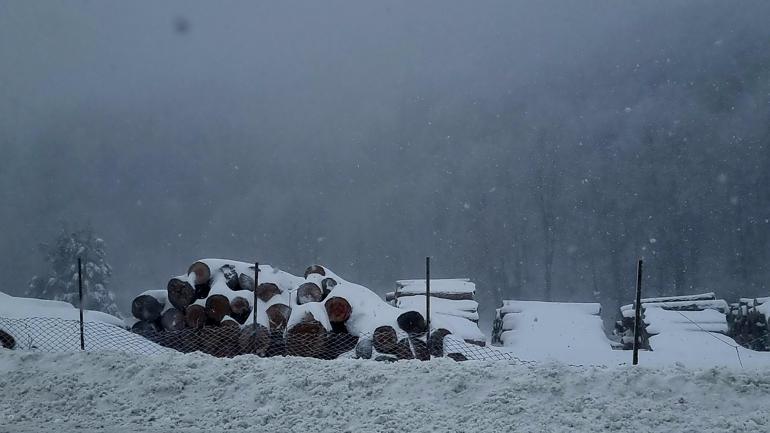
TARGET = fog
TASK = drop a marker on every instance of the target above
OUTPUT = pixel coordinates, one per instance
(537, 148)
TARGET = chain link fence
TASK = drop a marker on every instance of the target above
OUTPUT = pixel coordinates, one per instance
(62, 335)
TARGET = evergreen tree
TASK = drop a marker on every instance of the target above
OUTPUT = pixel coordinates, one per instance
(62, 282)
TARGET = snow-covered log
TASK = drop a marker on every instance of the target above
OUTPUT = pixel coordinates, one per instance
(146, 307)
(180, 293)
(240, 309)
(172, 320)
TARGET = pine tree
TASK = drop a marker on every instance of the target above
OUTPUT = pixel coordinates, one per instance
(62, 282)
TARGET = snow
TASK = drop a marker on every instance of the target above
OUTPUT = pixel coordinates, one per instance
(716, 304)
(570, 332)
(455, 285)
(112, 393)
(461, 308)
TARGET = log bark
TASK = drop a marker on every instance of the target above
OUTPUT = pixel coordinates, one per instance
(195, 316)
(6, 340)
(390, 296)
(222, 342)
(180, 293)
(385, 340)
(240, 310)
(459, 357)
(309, 292)
(246, 282)
(230, 323)
(364, 348)
(420, 349)
(337, 344)
(328, 283)
(172, 320)
(436, 341)
(338, 309)
(412, 323)
(251, 341)
(146, 307)
(231, 277)
(307, 338)
(315, 269)
(145, 328)
(278, 317)
(404, 350)
(201, 271)
(217, 307)
(277, 345)
(266, 291)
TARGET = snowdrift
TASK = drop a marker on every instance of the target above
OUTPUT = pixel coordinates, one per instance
(52, 326)
(195, 393)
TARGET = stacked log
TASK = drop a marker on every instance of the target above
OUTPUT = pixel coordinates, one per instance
(211, 310)
(624, 327)
(748, 321)
(448, 297)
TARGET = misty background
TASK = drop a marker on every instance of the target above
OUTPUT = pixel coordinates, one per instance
(537, 148)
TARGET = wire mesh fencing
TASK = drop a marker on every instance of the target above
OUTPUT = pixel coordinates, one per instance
(63, 335)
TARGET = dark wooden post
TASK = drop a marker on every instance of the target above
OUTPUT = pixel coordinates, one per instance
(638, 311)
(80, 296)
(427, 297)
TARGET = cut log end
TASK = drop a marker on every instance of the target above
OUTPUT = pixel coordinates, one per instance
(146, 307)
(315, 269)
(240, 309)
(195, 316)
(412, 323)
(385, 340)
(6, 340)
(202, 272)
(309, 292)
(278, 317)
(266, 291)
(338, 309)
(180, 293)
(217, 307)
(172, 320)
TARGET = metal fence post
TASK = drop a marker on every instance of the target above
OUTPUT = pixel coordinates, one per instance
(427, 301)
(254, 310)
(638, 311)
(80, 296)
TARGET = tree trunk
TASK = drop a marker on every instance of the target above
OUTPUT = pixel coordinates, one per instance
(172, 320)
(6, 340)
(180, 293)
(278, 317)
(231, 277)
(246, 282)
(217, 307)
(338, 309)
(146, 307)
(436, 341)
(412, 323)
(315, 269)
(253, 342)
(307, 338)
(145, 328)
(385, 340)
(240, 309)
(202, 279)
(309, 292)
(266, 291)
(195, 316)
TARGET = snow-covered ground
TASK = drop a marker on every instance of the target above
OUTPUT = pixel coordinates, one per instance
(105, 392)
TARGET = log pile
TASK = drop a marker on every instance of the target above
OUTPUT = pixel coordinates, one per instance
(211, 309)
(624, 327)
(448, 297)
(748, 321)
